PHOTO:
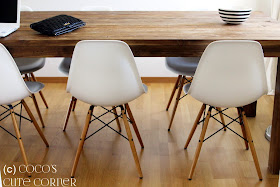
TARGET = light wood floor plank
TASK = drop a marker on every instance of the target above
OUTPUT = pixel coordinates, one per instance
(106, 159)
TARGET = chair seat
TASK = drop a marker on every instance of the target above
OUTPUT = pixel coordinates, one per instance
(64, 66)
(29, 65)
(186, 88)
(182, 65)
(145, 88)
(34, 87)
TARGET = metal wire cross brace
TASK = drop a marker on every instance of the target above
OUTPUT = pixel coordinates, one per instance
(224, 125)
(10, 107)
(107, 124)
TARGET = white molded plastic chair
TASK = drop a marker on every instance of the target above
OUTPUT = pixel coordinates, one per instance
(27, 67)
(229, 74)
(64, 67)
(104, 73)
(13, 89)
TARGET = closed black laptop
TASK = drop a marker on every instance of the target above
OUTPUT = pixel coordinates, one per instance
(57, 25)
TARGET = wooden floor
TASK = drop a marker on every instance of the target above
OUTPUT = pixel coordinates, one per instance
(107, 160)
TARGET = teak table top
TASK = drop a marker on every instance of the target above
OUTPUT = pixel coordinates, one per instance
(157, 33)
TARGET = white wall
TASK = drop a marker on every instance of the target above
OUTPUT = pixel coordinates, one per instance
(148, 67)
(138, 4)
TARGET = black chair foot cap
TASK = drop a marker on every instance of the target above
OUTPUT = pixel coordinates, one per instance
(72, 177)
(225, 130)
(29, 175)
(247, 148)
(190, 179)
(185, 148)
(120, 130)
(168, 129)
(166, 109)
(141, 177)
(261, 179)
(47, 146)
(47, 107)
(142, 147)
(43, 127)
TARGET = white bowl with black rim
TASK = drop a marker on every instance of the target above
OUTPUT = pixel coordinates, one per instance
(235, 16)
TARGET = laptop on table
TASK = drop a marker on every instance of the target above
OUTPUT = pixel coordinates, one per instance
(9, 17)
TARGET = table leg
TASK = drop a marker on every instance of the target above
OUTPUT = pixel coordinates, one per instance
(274, 152)
(251, 109)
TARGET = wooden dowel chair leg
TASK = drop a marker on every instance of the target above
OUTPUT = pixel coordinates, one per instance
(18, 137)
(26, 77)
(134, 125)
(74, 105)
(82, 141)
(68, 113)
(222, 117)
(177, 101)
(173, 92)
(117, 118)
(131, 142)
(198, 149)
(251, 144)
(43, 98)
(195, 125)
(38, 110)
(243, 129)
(35, 122)
(40, 92)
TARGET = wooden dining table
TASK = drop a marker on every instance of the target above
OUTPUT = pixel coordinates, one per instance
(155, 34)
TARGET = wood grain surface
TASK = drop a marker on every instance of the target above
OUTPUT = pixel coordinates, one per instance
(153, 34)
(106, 159)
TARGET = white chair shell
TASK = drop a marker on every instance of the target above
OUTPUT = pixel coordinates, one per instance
(13, 87)
(230, 74)
(104, 73)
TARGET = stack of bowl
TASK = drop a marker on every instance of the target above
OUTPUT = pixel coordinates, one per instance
(234, 16)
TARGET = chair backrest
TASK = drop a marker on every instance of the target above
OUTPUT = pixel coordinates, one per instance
(104, 73)
(230, 74)
(13, 87)
(25, 8)
(96, 8)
